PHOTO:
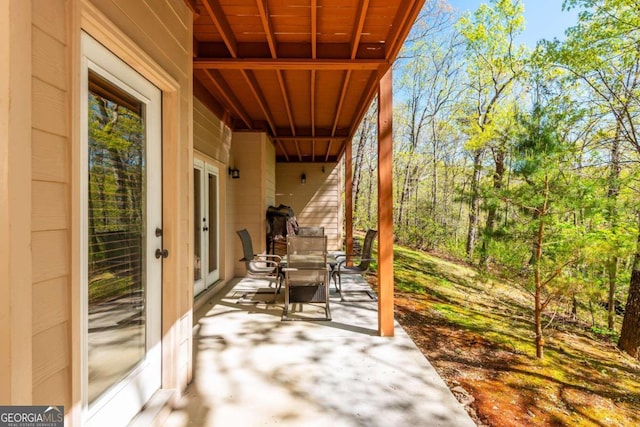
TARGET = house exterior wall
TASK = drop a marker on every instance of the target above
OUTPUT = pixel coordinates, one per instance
(212, 141)
(39, 184)
(316, 203)
(254, 155)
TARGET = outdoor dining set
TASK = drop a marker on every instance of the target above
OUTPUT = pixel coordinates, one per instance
(307, 269)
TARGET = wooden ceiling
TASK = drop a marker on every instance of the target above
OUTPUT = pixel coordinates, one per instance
(304, 71)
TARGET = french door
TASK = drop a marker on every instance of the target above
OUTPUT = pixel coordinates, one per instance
(121, 230)
(206, 190)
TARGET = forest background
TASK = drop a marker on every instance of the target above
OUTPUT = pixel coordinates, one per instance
(522, 161)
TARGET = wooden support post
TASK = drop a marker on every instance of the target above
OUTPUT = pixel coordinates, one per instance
(16, 247)
(348, 196)
(385, 206)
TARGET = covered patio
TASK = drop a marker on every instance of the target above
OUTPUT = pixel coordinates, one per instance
(252, 369)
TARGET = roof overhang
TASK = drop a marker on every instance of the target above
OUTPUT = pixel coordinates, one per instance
(303, 71)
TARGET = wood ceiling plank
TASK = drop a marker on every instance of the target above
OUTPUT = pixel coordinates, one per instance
(216, 13)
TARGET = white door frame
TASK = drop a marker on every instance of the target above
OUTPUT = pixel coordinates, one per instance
(119, 404)
(204, 224)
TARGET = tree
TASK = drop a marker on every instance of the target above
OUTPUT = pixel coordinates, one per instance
(494, 64)
(545, 199)
(603, 52)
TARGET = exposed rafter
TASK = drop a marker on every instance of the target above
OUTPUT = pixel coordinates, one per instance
(304, 73)
(309, 138)
(357, 29)
(230, 100)
(312, 106)
(314, 28)
(343, 92)
(191, 4)
(255, 89)
(220, 20)
(328, 152)
(266, 24)
(408, 12)
(284, 152)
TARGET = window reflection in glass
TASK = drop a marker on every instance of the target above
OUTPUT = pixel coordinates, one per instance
(117, 232)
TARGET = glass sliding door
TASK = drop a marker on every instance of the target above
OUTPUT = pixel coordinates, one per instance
(206, 189)
(122, 210)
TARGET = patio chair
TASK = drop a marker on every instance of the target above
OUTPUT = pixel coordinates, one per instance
(306, 275)
(262, 266)
(311, 231)
(344, 262)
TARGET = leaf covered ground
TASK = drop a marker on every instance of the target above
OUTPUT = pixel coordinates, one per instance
(478, 334)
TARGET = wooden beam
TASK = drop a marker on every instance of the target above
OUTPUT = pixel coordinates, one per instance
(326, 155)
(262, 102)
(230, 100)
(364, 103)
(220, 21)
(314, 29)
(313, 102)
(343, 92)
(385, 206)
(289, 64)
(298, 150)
(286, 156)
(357, 28)
(287, 104)
(348, 195)
(406, 16)
(266, 24)
(310, 138)
(191, 4)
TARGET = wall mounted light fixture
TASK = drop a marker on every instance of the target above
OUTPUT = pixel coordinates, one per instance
(303, 178)
(234, 173)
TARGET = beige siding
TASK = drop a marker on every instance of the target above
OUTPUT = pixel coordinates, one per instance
(163, 30)
(51, 136)
(317, 203)
(210, 136)
(254, 155)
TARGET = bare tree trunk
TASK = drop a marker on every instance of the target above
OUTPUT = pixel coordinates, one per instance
(474, 205)
(612, 198)
(630, 333)
(539, 307)
(498, 179)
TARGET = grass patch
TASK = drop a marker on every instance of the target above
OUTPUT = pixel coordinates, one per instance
(478, 333)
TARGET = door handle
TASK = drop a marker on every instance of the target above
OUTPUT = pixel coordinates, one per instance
(162, 253)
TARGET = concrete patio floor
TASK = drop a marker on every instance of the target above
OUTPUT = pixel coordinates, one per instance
(252, 369)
